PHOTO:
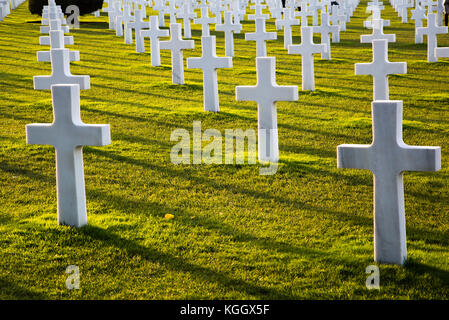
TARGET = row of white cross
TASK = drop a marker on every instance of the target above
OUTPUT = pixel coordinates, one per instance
(434, 17)
(7, 5)
(120, 16)
(67, 134)
(52, 23)
(387, 157)
(123, 19)
(209, 62)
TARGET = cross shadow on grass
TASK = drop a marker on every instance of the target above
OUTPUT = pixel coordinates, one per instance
(11, 290)
(417, 269)
(178, 264)
(92, 28)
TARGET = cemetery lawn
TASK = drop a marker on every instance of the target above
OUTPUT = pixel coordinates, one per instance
(304, 233)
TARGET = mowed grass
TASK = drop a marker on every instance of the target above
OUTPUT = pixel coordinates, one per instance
(304, 233)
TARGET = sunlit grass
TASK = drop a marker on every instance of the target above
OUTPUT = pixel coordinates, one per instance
(303, 233)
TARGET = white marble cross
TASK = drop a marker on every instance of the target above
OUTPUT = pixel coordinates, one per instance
(403, 10)
(324, 30)
(440, 11)
(60, 65)
(57, 42)
(431, 31)
(260, 36)
(160, 7)
(258, 13)
(287, 22)
(217, 7)
(229, 29)
(142, 5)
(374, 7)
(209, 63)
(345, 11)
(313, 7)
(378, 33)
(45, 40)
(335, 22)
(53, 14)
(154, 34)
(4, 10)
(205, 21)
(276, 9)
(418, 14)
(127, 18)
(108, 8)
(176, 45)
(237, 11)
(266, 93)
(139, 25)
(387, 157)
(380, 68)
(369, 23)
(341, 19)
(171, 10)
(187, 15)
(113, 13)
(304, 14)
(68, 134)
(306, 49)
(202, 4)
(119, 22)
(375, 3)
(375, 16)
(55, 25)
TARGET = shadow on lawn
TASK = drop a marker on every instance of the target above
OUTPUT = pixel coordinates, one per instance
(92, 28)
(178, 264)
(366, 222)
(217, 225)
(414, 233)
(417, 269)
(11, 290)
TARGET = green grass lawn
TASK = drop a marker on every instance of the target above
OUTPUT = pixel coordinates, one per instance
(303, 233)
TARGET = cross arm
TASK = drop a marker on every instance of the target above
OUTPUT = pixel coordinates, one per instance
(420, 158)
(420, 31)
(93, 134)
(246, 93)
(285, 93)
(396, 68)
(318, 48)
(363, 68)
(160, 33)
(442, 52)
(83, 134)
(45, 40)
(295, 49)
(188, 44)
(367, 38)
(195, 63)
(40, 133)
(223, 62)
(44, 56)
(353, 156)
